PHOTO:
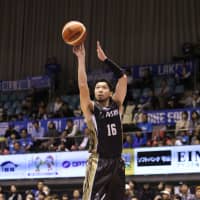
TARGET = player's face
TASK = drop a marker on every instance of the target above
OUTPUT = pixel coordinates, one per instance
(102, 91)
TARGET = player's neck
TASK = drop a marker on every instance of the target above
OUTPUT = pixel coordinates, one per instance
(104, 103)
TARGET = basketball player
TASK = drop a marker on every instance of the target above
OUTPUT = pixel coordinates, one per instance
(105, 175)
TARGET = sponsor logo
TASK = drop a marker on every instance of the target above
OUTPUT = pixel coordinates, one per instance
(154, 158)
(187, 159)
(8, 166)
(67, 164)
(48, 161)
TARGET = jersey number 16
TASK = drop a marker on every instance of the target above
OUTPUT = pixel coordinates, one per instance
(112, 130)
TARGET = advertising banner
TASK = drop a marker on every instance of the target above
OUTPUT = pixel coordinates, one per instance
(161, 69)
(166, 117)
(43, 165)
(140, 161)
(167, 160)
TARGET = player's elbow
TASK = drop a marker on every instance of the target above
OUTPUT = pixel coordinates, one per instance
(82, 85)
(125, 77)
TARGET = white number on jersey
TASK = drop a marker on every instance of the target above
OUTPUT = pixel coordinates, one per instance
(112, 130)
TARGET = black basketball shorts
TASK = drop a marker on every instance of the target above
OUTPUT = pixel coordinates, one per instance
(105, 179)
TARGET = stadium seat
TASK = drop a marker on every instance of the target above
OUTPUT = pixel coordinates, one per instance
(136, 93)
(127, 119)
(179, 89)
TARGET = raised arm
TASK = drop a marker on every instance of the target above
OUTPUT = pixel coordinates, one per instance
(121, 86)
(85, 101)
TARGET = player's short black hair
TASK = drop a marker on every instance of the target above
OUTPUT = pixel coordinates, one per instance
(106, 81)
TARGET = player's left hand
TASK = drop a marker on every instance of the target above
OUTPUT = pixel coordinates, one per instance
(100, 53)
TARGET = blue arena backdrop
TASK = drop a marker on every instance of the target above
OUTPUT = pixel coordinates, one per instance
(159, 117)
(25, 84)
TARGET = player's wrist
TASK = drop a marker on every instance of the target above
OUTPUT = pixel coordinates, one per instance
(115, 68)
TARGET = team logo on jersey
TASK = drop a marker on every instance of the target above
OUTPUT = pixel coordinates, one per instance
(112, 113)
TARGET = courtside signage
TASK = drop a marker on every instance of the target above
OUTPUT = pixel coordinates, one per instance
(167, 160)
(43, 165)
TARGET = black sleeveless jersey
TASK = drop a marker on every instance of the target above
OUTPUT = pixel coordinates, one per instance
(108, 130)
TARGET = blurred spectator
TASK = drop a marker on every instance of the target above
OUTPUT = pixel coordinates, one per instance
(172, 102)
(11, 130)
(176, 197)
(197, 193)
(26, 140)
(168, 140)
(38, 131)
(159, 187)
(66, 111)
(51, 130)
(64, 142)
(134, 198)
(1, 188)
(85, 141)
(133, 188)
(195, 139)
(62, 147)
(71, 128)
(14, 194)
(147, 78)
(57, 107)
(52, 69)
(168, 188)
(184, 192)
(183, 137)
(146, 193)
(76, 195)
(195, 99)
(42, 111)
(54, 197)
(165, 195)
(128, 141)
(2, 196)
(186, 100)
(163, 93)
(145, 99)
(183, 76)
(195, 121)
(41, 196)
(65, 197)
(46, 190)
(11, 143)
(20, 117)
(17, 148)
(139, 139)
(29, 195)
(128, 192)
(40, 185)
(27, 106)
(157, 197)
(154, 103)
(183, 124)
(146, 126)
(137, 115)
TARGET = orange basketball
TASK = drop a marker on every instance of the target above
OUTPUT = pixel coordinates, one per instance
(74, 33)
